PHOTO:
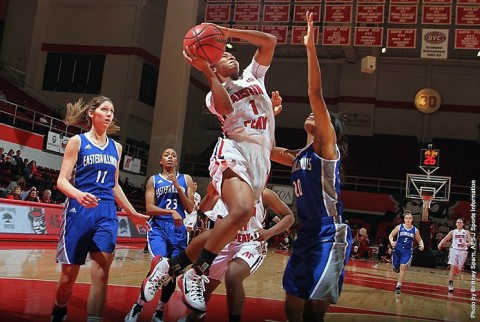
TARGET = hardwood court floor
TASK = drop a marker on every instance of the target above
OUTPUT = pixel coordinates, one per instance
(28, 276)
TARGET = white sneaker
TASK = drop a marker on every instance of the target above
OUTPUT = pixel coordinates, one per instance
(193, 317)
(450, 287)
(134, 313)
(193, 286)
(156, 278)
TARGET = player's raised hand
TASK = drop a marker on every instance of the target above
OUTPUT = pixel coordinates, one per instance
(191, 57)
(308, 40)
(276, 102)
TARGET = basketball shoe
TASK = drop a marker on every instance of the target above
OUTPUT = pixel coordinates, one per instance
(398, 290)
(193, 286)
(134, 313)
(194, 316)
(157, 316)
(450, 286)
(396, 269)
(156, 278)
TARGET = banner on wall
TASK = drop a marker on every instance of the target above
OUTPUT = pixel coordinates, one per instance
(131, 164)
(38, 220)
(56, 142)
(434, 43)
(284, 192)
(21, 217)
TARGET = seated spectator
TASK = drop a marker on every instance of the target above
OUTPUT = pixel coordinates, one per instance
(32, 196)
(364, 249)
(387, 258)
(46, 196)
(24, 194)
(15, 194)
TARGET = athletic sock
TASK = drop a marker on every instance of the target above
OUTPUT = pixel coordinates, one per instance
(178, 263)
(204, 261)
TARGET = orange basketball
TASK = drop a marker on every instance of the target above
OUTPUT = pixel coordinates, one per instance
(208, 41)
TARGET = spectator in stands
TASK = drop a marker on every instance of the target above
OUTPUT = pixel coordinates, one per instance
(364, 249)
(388, 254)
(27, 172)
(2, 154)
(26, 192)
(47, 196)
(18, 167)
(15, 194)
(33, 167)
(32, 196)
(10, 160)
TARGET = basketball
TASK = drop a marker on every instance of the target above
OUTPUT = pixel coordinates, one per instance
(208, 41)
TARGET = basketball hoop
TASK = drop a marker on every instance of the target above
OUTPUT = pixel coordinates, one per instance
(427, 200)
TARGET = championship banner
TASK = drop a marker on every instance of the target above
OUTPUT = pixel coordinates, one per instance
(56, 142)
(434, 43)
(467, 39)
(131, 164)
(278, 31)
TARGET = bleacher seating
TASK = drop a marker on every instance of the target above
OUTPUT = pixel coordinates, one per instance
(17, 96)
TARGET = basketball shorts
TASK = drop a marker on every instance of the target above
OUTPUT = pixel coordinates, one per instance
(86, 230)
(316, 268)
(166, 239)
(249, 161)
(402, 256)
(457, 257)
(253, 253)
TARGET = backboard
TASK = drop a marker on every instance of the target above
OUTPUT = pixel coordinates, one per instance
(420, 184)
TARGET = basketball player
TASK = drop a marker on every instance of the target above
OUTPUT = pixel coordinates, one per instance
(245, 254)
(403, 247)
(90, 221)
(168, 196)
(313, 277)
(240, 163)
(461, 240)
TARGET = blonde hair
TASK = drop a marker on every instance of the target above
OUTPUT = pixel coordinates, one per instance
(77, 114)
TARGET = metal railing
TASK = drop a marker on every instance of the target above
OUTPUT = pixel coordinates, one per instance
(355, 183)
(28, 119)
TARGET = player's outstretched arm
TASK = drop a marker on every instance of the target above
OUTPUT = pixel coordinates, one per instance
(324, 137)
(280, 208)
(445, 239)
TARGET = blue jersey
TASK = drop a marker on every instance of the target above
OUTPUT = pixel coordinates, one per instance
(406, 237)
(166, 195)
(96, 167)
(317, 187)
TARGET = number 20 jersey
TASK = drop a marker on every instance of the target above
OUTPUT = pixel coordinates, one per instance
(96, 167)
(316, 184)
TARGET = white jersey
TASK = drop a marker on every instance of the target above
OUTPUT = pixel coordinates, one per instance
(459, 239)
(247, 232)
(252, 119)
